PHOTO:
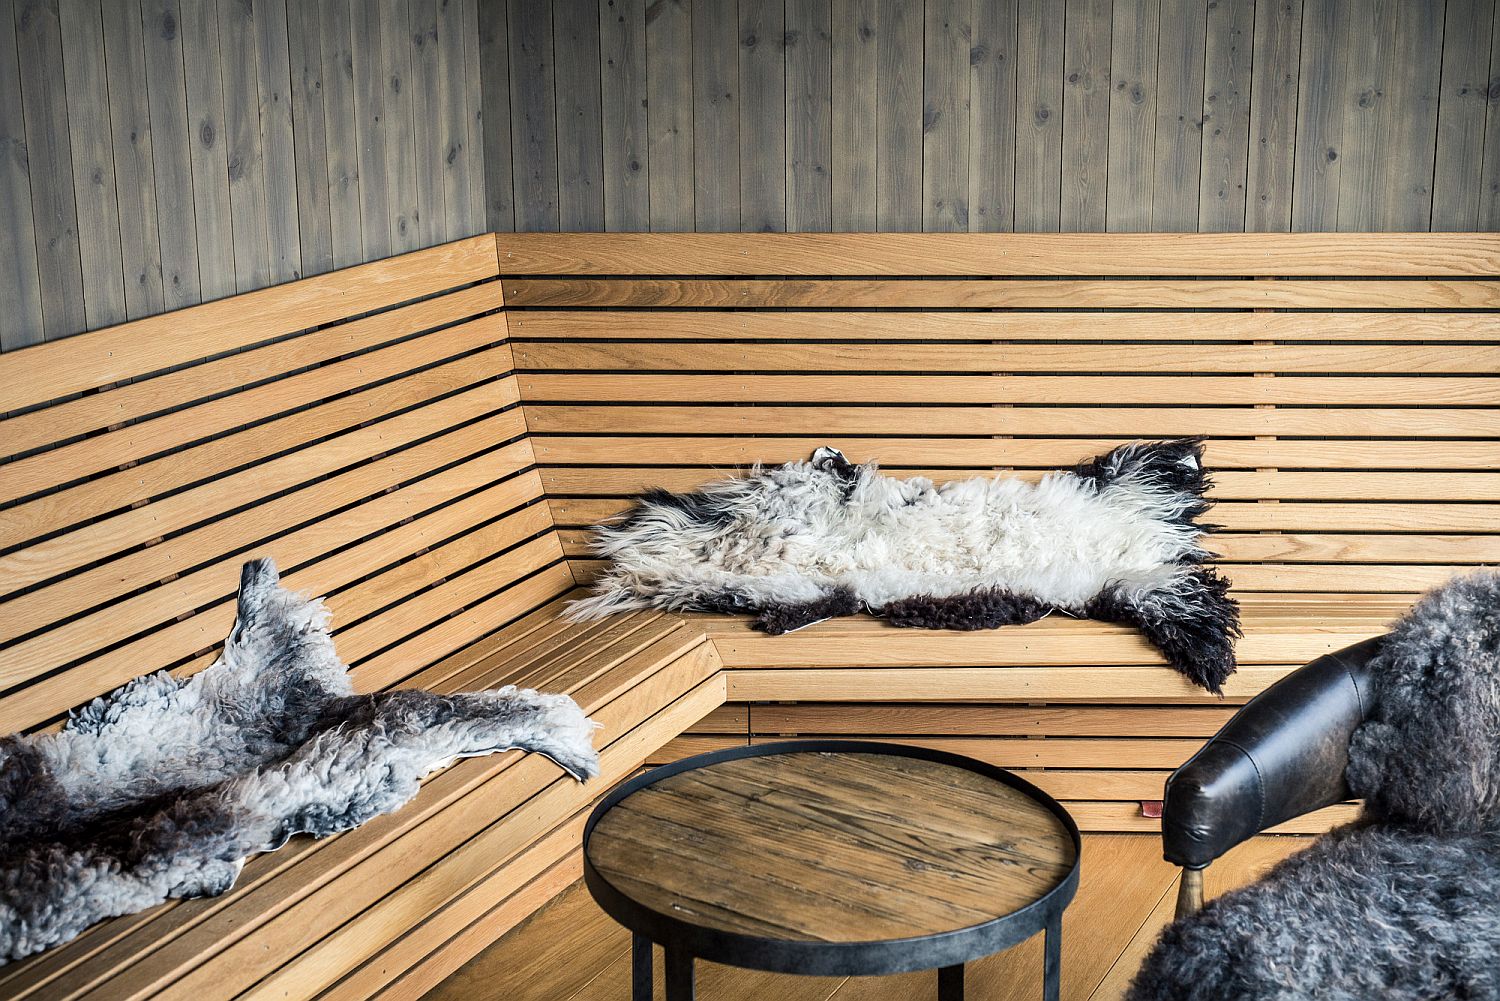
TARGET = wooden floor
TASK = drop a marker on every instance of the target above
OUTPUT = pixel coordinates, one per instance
(570, 951)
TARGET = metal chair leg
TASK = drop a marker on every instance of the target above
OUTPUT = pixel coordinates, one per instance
(1190, 893)
(640, 968)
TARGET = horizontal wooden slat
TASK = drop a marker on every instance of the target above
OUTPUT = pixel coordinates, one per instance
(1062, 752)
(1000, 254)
(402, 518)
(853, 718)
(670, 693)
(574, 481)
(1093, 358)
(53, 602)
(1143, 684)
(418, 961)
(1320, 391)
(1126, 817)
(140, 482)
(29, 706)
(86, 967)
(159, 434)
(1008, 452)
(854, 325)
(1019, 647)
(50, 558)
(1374, 577)
(316, 897)
(241, 961)
(1345, 548)
(1292, 516)
(554, 293)
(49, 371)
(1140, 422)
(148, 396)
(725, 719)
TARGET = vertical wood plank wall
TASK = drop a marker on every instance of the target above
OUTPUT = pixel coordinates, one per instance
(1075, 115)
(156, 153)
(160, 153)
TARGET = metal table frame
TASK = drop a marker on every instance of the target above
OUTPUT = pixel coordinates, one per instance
(947, 952)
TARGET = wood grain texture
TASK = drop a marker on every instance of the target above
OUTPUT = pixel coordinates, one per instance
(893, 847)
(762, 125)
(1227, 93)
(669, 86)
(625, 127)
(1125, 898)
(80, 23)
(179, 153)
(1086, 115)
(1039, 126)
(1413, 255)
(580, 179)
(233, 151)
(901, 116)
(1274, 95)
(1462, 107)
(855, 75)
(945, 116)
(19, 281)
(716, 118)
(809, 115)
(1003, 294)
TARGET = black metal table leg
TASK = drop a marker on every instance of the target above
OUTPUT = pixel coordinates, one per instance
(951, 983)
(640, 968)
(679, 975)
(1052, 968)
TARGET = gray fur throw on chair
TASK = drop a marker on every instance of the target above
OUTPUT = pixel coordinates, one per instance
(1116, 539)
(1405, 902)
(163, 788)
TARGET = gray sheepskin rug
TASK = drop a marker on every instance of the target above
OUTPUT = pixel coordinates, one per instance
(1405, 902)
(1116, 539)
(163, 788)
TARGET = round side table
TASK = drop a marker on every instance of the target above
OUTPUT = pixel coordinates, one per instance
(831, 858)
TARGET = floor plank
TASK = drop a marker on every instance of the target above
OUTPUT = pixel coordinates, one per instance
(552, 954)
(1244, 864)
(571, 950)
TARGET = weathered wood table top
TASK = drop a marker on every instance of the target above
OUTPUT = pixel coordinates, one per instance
(834, 847)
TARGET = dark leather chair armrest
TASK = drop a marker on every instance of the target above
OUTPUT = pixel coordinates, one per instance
(1281, 756)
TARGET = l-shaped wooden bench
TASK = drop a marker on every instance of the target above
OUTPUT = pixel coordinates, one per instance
(425, 439)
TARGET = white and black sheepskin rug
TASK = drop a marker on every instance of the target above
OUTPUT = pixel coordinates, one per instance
(1116, 539)
(1403, 904)
(163, 788)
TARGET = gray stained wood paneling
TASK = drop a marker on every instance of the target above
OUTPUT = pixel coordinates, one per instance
(160, 153)
(157, 153)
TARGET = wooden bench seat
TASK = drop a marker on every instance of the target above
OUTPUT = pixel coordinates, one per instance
(328, 914)
(425, 440)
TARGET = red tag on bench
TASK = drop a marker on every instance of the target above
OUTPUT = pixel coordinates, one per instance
(1151, 808)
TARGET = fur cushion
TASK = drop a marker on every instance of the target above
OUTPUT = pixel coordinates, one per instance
(1115, 539)
(1365, 913)
(1429, 756)
(1404, 903)
(163, 788)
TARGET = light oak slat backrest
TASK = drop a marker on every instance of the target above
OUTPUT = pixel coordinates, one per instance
(361, 427)
(1347, 382)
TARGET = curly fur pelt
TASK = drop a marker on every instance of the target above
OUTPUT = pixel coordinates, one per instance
(163, 788)
(1115, 539)
(1405, 902)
